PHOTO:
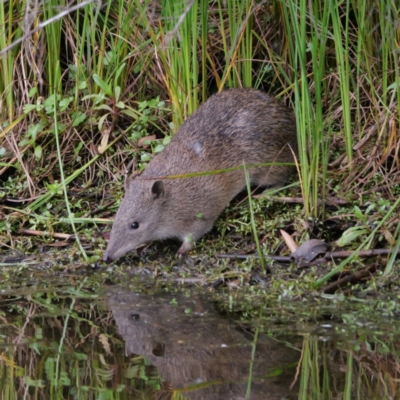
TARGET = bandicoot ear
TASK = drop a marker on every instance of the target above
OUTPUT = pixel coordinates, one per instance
(157, 189)
(129, 179)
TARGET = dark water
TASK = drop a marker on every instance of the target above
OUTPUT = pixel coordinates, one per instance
(142, 339)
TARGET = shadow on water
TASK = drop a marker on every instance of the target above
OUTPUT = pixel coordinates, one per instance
(146, 341)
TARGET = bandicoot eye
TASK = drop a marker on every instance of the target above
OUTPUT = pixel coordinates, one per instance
(135, 225)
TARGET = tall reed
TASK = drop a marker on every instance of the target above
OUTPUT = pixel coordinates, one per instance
(9, 30)
(307, 32)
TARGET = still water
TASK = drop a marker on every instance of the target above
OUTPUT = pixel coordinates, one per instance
(147, 339)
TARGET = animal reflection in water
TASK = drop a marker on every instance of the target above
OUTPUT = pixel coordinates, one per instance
(202, 352)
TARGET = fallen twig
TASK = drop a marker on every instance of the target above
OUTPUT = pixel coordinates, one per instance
(328, 255)
(55, 235)
(352, 278)
(284, 259)
(331, 201)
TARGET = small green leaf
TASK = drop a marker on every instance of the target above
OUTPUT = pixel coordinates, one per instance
(159, 148)
(65, 102)
(130, 113)
(110, 59)
(142, 105)
(370, 208)
(33, 130)
(121, 388)
(138, 67)
(100, 98)
(117, 93)
(104, 107)
(80, 356)
(28, 108)
(145, 157)
(89, 96)
(39, 383)
(64, 379)
(358, 213)
(50, 102)
(120, 104)
(101, 121)
(23, 142)
(120, 69)
(103, 85)
(153, 102)
(60, 128)
(394, 85)
(166, 140)
(82, 85)
(38, 152)
(132, 372)
(32, 92)
(78, 118)
(350, 235)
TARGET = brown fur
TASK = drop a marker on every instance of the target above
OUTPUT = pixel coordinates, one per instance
(233, 127)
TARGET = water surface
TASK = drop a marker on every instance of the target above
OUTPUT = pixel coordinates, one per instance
(62, 338)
